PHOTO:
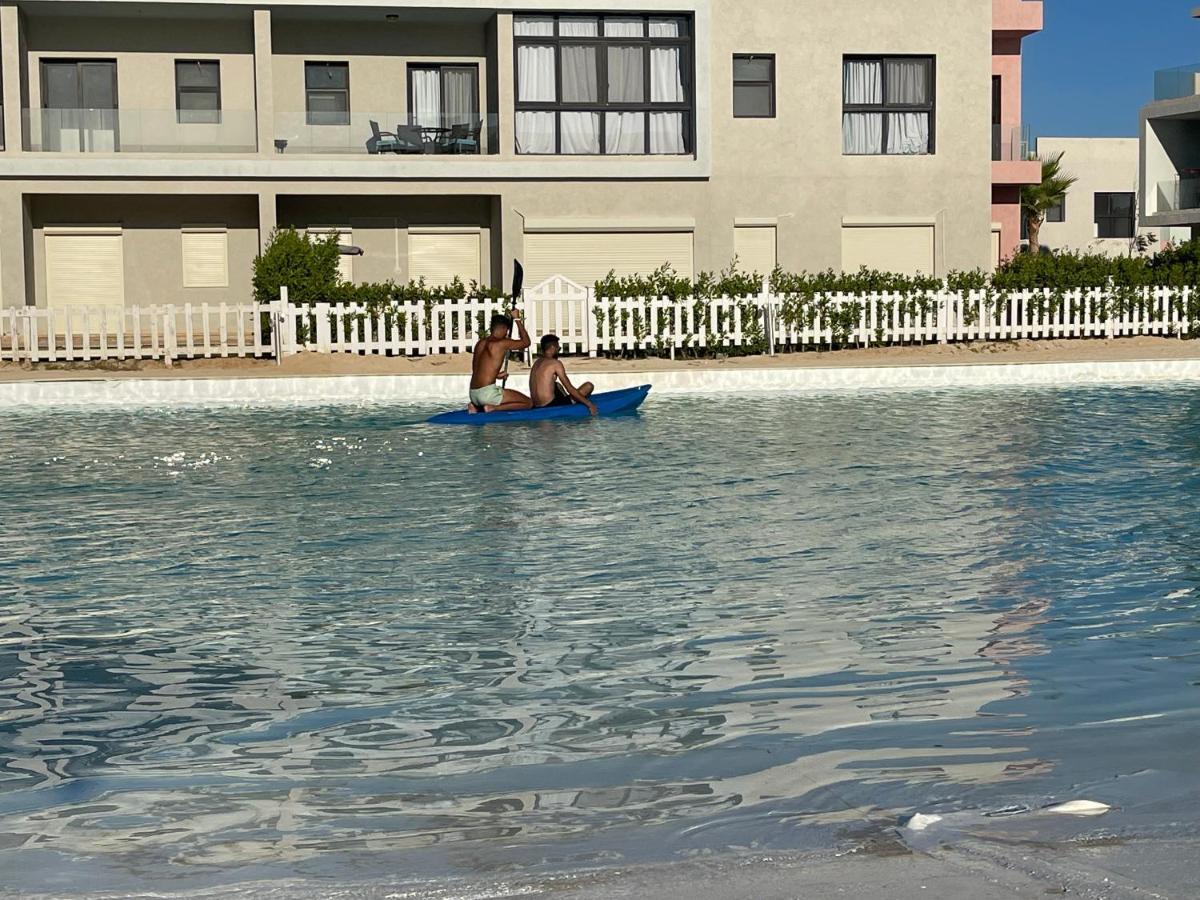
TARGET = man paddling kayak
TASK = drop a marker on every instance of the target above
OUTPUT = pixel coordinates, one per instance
(488, 364)
(548, 381)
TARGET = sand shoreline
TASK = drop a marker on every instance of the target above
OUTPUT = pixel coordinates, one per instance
(1135, 349)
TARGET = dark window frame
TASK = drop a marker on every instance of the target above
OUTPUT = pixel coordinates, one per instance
(180, 90)
(1111, 219)
(884, 107)
(78, 61)
(308, 111)
(439, 66)
(687, 43)
(1057, 213)
(770, 84)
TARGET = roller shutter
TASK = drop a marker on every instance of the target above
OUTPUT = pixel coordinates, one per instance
(903, 249)
(441, 255)
(755, 248)
(84, 266)
(205, 258)
(586, 257)
(345, 239)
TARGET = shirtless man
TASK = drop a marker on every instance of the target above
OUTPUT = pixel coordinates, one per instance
(548, 381)
(489, 363)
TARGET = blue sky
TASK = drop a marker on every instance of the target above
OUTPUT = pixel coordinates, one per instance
(1092, 69)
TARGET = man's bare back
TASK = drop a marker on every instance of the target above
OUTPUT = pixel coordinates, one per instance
(548, 381)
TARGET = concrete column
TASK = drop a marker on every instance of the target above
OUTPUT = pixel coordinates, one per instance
(508, 239)
(12, 45)
(266, 217)
(14, 231)
(505, 79)
(264, 83)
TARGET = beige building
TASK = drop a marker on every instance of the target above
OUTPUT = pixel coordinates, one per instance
(150, 147)
(1101, 212)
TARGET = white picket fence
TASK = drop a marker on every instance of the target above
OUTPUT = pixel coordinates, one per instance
(585, 325)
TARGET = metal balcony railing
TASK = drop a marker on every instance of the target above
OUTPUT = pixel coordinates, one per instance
(1011, 143)
(383, 133)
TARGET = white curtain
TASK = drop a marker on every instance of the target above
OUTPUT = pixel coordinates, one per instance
(907, 81)
(666, 133)
(580, 132)
(533, 26)
(578, 27)
(426, 97)
(862, 133)
(625, 132)
(664, 28)
(580, 81)
(666, 75)
(617, 26)
(535, 132)
(862, 82)
(908, 133)
(458, 98)
(626, 75)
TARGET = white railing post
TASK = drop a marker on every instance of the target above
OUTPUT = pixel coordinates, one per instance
(592, 328)
(168, 335)
(943, 308)
(30, 331)
(768, 314)
(323, 325)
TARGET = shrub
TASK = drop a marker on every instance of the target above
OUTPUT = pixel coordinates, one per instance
(307, 267)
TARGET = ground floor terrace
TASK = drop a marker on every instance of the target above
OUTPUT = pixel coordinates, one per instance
(126, 243)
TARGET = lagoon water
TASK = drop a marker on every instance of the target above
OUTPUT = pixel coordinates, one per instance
(336, 643)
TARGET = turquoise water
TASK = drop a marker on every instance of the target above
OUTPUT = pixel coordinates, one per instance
(337, 643)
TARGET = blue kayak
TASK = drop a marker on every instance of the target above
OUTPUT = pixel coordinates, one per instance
(610, 403)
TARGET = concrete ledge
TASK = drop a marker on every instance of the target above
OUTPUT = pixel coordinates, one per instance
(429, 389)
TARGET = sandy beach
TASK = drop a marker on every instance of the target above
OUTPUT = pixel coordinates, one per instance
(316, 365)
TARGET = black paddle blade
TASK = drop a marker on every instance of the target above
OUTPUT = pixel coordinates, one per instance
(518, 284)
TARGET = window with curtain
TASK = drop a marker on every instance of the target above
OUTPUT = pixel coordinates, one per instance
(444, 96)
(327, 93)
(887, 105)
(603, 84)
(1114, 214)
(198, 90)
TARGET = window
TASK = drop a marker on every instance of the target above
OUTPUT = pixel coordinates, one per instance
(198, 90)
(327, 93)
(205, 257)
(1057, 213)
(79, 105)
(446, 97)
(753, 87)
(887, 105)
(1114, 215)
(603, 84)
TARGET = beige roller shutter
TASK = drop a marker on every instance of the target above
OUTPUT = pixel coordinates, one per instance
(84, 265)
(903, 249)
(439, 255)
(995, 248)
(205, 257)
(586, 257)
(755, 248)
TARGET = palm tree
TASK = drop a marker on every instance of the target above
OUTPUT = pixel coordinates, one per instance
(1037, 199)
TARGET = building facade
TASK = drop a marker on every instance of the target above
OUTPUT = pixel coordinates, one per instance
(150, 147)
(1100, 214)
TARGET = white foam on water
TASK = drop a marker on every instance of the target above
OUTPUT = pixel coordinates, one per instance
(920, 822)
(1079, 808)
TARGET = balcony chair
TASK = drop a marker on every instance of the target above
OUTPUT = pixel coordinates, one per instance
(462, 139)
(382, 141)
(410, 139)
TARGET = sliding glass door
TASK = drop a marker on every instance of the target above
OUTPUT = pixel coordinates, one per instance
(79, 105)
(444, 99)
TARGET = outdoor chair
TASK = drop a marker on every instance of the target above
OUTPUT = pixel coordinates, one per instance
(382, 141)
(410, 139)
(463, 138)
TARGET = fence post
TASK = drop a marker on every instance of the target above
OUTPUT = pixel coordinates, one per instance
(1110, 327)
(29, 330)
(589, 314)
(943, 307)
(768, 313)
(324, 328)
(168, 335)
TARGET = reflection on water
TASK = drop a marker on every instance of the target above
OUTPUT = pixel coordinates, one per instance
(268, 642)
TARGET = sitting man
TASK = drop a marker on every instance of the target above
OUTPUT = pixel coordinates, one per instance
(490, 363)
(548, 381)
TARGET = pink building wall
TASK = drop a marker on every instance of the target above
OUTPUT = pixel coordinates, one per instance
(1012, 22)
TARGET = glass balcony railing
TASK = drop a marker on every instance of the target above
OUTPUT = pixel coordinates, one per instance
(1010, 143)
(384, 134)
(1181, 81)
(137, 131)
(1179, 193)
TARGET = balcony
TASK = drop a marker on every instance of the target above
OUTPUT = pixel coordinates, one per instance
(1177, 83)
(1017, 18)
(384, 134)
(1180, 193)
(136, 131)
(1012, 159)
